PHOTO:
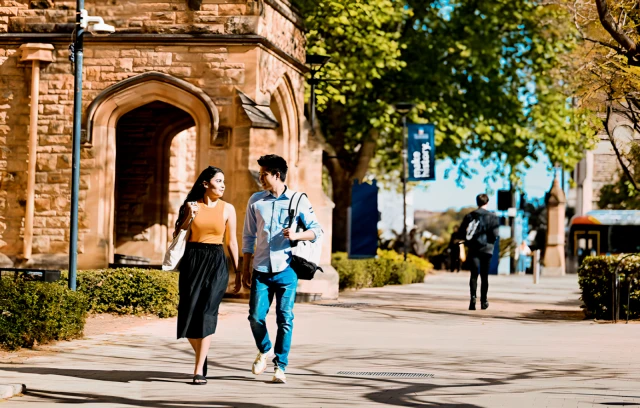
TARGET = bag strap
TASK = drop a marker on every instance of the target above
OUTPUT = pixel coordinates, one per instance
(293, 213)
(175, 233)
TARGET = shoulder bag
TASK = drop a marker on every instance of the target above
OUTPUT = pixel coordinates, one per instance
(305, 255)
(175, 252)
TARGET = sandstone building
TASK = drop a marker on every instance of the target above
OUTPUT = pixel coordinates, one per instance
(600, 166)
(181, 85)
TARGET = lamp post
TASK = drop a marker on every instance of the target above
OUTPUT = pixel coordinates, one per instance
(403, 108)
(98, 28)
(315, 62)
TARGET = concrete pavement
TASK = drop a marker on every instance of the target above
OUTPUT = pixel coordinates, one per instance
(531, 348)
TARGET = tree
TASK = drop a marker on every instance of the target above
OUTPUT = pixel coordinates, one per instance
(488, 74)
(362, 38)
(609, 75)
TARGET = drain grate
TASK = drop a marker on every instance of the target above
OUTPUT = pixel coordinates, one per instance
(383, 374)
(344, 305)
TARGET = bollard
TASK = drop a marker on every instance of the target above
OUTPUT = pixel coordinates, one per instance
(536, 266)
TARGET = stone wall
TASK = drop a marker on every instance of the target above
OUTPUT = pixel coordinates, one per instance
(141, 16)
(606, 168)
(271, 19)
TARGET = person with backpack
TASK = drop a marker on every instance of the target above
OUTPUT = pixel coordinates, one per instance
(269, 229)
(479, 231)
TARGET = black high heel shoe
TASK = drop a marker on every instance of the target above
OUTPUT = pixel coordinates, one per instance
(199, 380)
(204, 368)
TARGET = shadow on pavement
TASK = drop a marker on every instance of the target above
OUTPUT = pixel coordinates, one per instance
(386, 311)
(558, 315)
(121, 376)
(84, 398)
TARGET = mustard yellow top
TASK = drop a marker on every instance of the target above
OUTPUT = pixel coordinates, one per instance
(208, 227)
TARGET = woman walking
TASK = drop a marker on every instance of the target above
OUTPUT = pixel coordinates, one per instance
(203, 267)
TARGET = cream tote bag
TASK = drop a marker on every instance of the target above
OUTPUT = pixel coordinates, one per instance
(175, 252)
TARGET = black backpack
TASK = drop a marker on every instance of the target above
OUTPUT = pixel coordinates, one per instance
(476, 232)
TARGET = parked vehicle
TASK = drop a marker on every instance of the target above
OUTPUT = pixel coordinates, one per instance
(602, 232)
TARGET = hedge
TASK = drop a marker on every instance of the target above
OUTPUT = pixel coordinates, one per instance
(388, 268)
(595, 277)
(38, 312)
(129, 291)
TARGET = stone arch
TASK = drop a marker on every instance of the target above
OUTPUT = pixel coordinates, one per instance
(94, 109)
(102, 117)
(286, 111)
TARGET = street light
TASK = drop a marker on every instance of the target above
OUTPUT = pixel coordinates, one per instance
(315, 62)
(96, 27)
(403, 108)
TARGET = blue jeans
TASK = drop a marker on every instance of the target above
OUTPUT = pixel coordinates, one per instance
(264, 287)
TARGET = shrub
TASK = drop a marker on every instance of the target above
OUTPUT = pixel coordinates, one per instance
(418, 262)
(596, 276)
(388, 269)
(39, 312)
(129, 291)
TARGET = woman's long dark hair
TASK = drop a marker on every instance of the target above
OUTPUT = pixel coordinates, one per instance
(197, 191)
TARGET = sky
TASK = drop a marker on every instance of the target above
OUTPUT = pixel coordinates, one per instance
(444, 193)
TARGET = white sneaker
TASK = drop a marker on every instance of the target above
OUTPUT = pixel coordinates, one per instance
(279, 377)
(260, 364)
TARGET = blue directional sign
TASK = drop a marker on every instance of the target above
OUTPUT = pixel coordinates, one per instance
(421, 152)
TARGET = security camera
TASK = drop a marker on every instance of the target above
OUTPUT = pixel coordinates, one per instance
(96, 24)
(101, 29)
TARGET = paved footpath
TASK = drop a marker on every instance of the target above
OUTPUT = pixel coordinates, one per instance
(531, 348)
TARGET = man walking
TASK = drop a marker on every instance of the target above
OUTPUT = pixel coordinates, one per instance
(266, 246)
(479, 230)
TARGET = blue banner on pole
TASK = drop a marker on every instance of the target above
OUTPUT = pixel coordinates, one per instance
(421, 152)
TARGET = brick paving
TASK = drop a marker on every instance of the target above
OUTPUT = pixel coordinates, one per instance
(531, 348)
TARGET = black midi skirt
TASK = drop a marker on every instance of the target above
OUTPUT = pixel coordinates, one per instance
(203, 281)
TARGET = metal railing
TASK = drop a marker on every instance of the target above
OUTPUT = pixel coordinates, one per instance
(616, 287)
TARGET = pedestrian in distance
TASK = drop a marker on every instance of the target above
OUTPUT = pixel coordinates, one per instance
(204, 275)
(267, 272)
(479, 231)
(522, 253)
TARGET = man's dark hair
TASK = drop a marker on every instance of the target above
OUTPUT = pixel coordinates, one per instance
(274, 164)
(482, 199)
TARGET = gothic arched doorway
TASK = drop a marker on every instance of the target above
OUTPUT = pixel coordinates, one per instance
(164, 106)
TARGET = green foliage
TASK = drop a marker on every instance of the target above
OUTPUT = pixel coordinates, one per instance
(489, 74)
(387, 269)
(622, 195)
(38, 312)
(129, 291)
(412, 259)
(596, 275)
(363, 40)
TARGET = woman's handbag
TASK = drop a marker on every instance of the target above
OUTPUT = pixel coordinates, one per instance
(175, 252)
(305, 255)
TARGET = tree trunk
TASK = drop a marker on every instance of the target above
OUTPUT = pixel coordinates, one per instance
(342, 176)
(342, 199)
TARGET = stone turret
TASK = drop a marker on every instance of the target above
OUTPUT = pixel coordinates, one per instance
(554, 257)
